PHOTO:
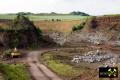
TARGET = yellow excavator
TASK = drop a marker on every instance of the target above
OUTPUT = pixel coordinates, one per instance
(15, 53)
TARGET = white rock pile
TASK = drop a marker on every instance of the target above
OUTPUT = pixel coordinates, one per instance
(58, 37)
(97, 56)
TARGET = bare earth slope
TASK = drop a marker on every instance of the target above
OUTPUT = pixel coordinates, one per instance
(98, 30)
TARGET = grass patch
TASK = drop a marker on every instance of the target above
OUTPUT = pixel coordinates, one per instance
(60, 63)
(14, 72)
(61, 68)
(45, 17)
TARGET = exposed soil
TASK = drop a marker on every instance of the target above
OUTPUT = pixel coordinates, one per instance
(61, 26)
(99, 33)
(38, 70)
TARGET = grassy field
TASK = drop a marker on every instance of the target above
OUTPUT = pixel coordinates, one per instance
(61, 17)
(61, 26)
(14, 72)
(48, 22)
(45, 17)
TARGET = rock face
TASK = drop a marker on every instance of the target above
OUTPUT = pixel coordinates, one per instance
(98, 30)
(21, 33)
(58, 37)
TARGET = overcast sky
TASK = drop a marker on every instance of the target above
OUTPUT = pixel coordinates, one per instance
(93, 7)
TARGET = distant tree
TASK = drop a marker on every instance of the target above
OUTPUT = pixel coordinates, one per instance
(53, 13)
(58, 20)
(79, 13)
(53, 20)
(24, 13)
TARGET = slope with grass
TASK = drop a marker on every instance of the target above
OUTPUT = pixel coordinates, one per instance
(22, 33)
(60, 63)
(14, 71)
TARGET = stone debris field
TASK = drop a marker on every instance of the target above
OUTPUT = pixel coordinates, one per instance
(107, 58)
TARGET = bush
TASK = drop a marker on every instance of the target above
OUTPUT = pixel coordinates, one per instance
(6, 54)
(78, 27)
(74, 28)
(39, 31)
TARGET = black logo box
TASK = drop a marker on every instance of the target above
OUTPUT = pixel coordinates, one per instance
(103, 72)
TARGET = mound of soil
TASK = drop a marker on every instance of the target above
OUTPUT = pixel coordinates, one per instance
(109, 25)
(98, 30)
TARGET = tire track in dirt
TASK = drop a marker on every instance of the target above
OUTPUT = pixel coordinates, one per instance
(39, 71)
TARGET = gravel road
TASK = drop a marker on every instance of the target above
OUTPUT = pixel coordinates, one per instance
(37, 70)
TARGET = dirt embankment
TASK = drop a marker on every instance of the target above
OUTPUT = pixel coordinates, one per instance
(109, 25)
(98, 30)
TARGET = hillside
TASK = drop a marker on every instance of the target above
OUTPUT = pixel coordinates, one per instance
(109, 25)
(22, 33)
(104, 29)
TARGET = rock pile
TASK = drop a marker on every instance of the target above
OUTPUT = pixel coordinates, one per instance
(97, 56)
(115, 43)
(113, 61)
(58, 37)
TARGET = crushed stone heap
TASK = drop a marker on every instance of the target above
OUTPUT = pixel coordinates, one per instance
(97, 56)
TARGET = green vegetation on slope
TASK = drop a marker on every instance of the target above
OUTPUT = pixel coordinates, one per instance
(60, 68)
(21, 28)
(60, 63)
(78, 27)
(14, 72)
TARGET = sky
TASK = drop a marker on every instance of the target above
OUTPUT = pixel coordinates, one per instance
(92, 7)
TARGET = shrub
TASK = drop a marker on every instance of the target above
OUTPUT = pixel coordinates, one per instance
(39, 31)
(74, 28)
(78, 27)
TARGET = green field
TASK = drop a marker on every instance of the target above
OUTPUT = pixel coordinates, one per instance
(14, 71)
(45, 17)
(60, 63)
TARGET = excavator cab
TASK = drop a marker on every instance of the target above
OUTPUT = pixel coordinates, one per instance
(15, 53)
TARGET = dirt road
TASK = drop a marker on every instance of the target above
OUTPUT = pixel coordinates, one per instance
(39, 71)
